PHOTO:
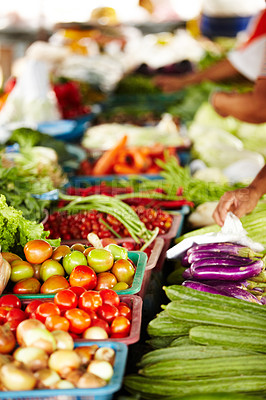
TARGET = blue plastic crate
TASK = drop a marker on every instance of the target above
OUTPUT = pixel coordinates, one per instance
(103, 393)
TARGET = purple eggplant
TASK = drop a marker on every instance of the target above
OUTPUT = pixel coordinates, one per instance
(226, 289)
(223, 262)
(184, 260)
(229, 273)
(203, 288)
(233, 290)
(187, 274)
(201, 255)
(213, 282)
(232, 248)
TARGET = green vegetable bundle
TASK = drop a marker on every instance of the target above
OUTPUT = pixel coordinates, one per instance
(219, 350)
(16, 231)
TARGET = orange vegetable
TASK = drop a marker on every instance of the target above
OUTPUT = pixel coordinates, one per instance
(108, 159)
(124, 169)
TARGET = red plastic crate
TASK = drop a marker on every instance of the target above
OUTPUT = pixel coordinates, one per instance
(134, 302)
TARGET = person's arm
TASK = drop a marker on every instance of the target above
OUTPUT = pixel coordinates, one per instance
(241, 201)
(217, 72)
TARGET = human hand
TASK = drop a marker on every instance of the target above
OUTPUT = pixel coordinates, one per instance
(240, 202)
(169, 84)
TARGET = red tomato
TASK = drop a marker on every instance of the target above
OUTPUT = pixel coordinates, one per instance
(10, 300)
(120, 327)
(78, 290)
(56, 322)
(32, 306)
(93, 315)
(79, 320)
(46, 309)
(84, 276)
(16, 313)
(3, 314)
(37, 251)
(109, 296)
(102, 324)
(90, 300)
(107, 312)
(13, 324)
(66, 299)
(125, 311)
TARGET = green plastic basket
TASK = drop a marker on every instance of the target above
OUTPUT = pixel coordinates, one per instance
(139, 259)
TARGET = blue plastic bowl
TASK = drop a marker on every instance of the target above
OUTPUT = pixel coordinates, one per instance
(224, 26)
(67, 130)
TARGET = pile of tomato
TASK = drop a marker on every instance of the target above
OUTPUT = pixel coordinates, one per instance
(73, 310)
(47, 270)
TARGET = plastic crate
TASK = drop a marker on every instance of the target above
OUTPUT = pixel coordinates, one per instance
(103, 393)
(174, 231)
(151, 264)
(135, 304)
(139, 259)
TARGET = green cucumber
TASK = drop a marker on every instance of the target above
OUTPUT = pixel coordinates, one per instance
(191, 352)
(179, 292)
(161, 388)
(204, 312)
(219, 396)
(181, 341)
(166, 326)
(158, 342)
(246, 339)
(210, 367)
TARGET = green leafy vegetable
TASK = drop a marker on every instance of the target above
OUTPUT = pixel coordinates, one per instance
(16, 231)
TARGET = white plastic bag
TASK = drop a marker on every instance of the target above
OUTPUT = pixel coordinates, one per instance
(232, 231)
(32, 99)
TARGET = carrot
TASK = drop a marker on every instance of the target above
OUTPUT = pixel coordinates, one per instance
(108, 159)
(124, 169)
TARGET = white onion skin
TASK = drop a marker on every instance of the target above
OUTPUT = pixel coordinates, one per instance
(46, 378)
(103, 369)
(33, 357)
(64, 340)
(64, 361)
(95, 333)
(15, 376)
(26, 325)
(88, 380)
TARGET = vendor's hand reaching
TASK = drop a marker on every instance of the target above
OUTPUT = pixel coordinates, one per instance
(240, 202)
(169, 84)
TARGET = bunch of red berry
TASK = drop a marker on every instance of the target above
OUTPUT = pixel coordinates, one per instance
(78, 226)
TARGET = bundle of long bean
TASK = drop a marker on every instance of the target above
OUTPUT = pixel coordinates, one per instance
(115, 207)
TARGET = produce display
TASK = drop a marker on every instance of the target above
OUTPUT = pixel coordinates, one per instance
(227, 269)
(84, 314)
(78, 226)
(209, 344)
(48, 270)
(51, 360)
(92, 278)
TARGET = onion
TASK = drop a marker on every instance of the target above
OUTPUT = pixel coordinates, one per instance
(24, 326)
(5, 359)
(105, 354)
(15, 376)
(89, 380)
(103, 369)
(63, 384)
(33, 357)
(7, 340)
(41, 338)
(64, 361)
(86, 353)
(46, 378)
(74, 376)
(95, 333)
(64, 340)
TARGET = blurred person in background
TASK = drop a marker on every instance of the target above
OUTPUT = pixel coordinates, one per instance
(248, 60)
